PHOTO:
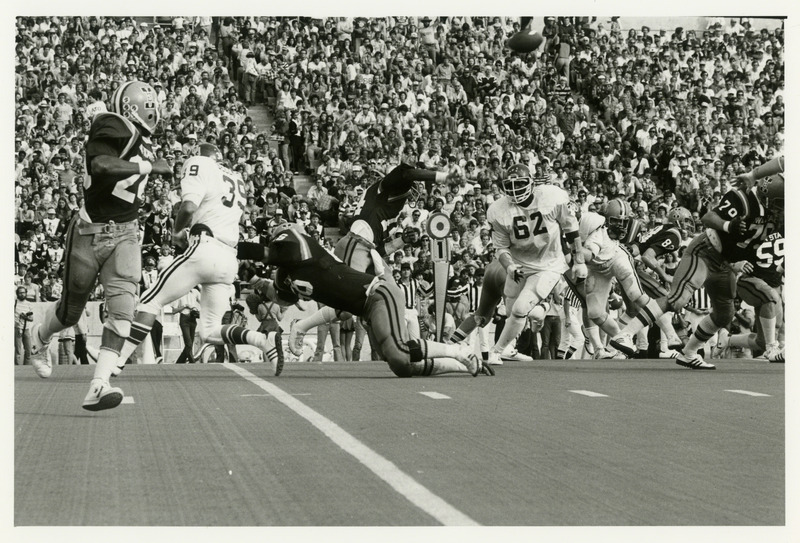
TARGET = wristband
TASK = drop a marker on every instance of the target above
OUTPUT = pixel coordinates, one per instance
(145, 168)
(726, 226)
(441, 177)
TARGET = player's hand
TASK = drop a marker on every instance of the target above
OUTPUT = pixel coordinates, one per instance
(514, 272)
(580, 270)
(181, 239)
(743, 266)
(737, 226)
(745, 180)
(162, 167)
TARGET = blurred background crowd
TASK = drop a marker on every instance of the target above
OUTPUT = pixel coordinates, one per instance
(311, 111)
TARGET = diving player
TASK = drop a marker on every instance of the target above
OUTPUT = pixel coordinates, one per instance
(212, 201)
(102, 238)
(364, 246)
(527, 224)
(307, 271)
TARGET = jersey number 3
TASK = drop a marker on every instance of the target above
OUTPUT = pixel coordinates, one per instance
(522, 229)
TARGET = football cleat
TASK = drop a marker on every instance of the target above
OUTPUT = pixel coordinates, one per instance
(273, 351)
(295, 339)
(40, 354)
(603, 354)
(774, 354)
(675, 343)
(512, 354)
(694, 362)
(470, 361)
(487, 370)
(624, 344)
(494, 359)
(669, 353)
(102, 396)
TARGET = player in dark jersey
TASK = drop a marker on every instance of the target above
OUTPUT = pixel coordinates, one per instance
(647, 248)
(307, 271)
(762, 286)
(102, 238)
(364, 246)
(712, 259)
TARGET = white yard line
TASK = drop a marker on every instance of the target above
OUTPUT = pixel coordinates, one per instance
(589, 393)
(436, 395)
(748, 393)
(128, 399)
(405, 485)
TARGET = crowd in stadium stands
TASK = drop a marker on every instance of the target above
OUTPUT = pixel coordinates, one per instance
(663, 117)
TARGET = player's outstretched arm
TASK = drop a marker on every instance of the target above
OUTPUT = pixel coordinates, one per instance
(770, 167)
(180, 229)
(114, 166)
(649, 259)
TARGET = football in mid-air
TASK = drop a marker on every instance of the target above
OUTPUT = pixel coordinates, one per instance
(524, 42)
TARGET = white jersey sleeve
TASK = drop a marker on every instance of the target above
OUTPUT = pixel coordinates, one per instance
(196, 175)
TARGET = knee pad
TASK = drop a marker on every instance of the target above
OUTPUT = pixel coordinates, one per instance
(415, 350)
(597, 316)
(120, 327)
(524, 303)
(120, 306)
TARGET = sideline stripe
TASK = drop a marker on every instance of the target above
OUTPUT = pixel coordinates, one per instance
(414, 492)
(128, 399)
(748, 393)
(436, 395)
(589, 393)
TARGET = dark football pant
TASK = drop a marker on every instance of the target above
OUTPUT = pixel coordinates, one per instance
(702, 265)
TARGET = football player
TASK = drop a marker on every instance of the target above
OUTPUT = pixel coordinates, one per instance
(762, 288)
(102, 238)
(308, 271)
(713, 259)
(212, 201)
(527, 225)
(364, 246)
(646, 250)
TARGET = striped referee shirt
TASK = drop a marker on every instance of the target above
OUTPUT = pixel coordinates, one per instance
(700, 299)
(572, 298)
(410, 290)
(474, 294)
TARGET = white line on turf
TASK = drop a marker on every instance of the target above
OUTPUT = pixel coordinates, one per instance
(128, 399)
(748, 393)
(589, 393)
(436, 395)
(405, 485)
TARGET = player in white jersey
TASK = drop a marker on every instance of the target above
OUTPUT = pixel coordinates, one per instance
(527, 224)
(212, 201)
(607, 261)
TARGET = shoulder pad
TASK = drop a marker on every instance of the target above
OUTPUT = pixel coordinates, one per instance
(108, 124)
(551, 194)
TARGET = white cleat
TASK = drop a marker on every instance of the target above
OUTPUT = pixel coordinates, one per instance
(102, 396)
(273, 350)
(470, 360)
(669, 353)
(775, 354)
(40, 354)
(624, 344)
(604, 354)
(694, 362)
(295, 339)
(494, 359)
(512, 354)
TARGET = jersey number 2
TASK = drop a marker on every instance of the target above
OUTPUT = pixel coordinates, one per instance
(523, 231)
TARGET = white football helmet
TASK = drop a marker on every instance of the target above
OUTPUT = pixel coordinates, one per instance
(590, 221)
(517, 183)
(138, 102)
(620, 219)
(682, 217)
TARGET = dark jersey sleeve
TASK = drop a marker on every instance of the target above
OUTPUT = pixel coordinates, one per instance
(666, 240)
(734, 203)
(109, 135)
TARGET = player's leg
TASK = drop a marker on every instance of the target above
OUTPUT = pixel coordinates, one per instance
(412, 322)
(80, 274)
(120, 274)
(322, 336)
(721, 289)
(690, 275)
(407, 357)
(766, 300)
(491, 294)
(597, 289)
(174, 281)
(299, 327)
